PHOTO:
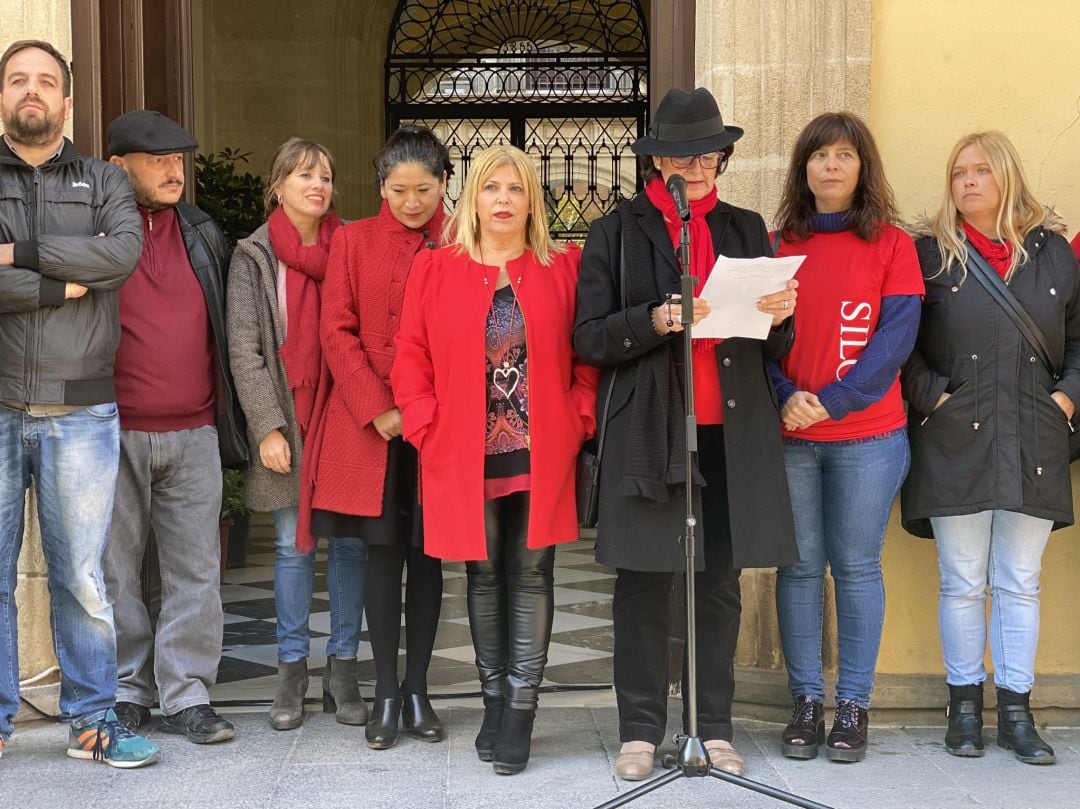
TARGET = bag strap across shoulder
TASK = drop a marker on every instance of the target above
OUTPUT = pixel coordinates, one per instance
(1004, 297)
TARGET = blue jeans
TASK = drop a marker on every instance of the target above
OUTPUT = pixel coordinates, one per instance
(72, 460)
(841, 496)
(1003, 549)
(294, 579)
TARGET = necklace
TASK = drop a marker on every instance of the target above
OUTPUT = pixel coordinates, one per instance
(505, 377)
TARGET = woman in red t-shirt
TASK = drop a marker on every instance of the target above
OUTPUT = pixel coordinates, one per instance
(844, 427)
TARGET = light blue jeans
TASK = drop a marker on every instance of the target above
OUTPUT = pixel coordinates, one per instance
(841, 495)
(1003, 549)
(72, 460)
(294, 579)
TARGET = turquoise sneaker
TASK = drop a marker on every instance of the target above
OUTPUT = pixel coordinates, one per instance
(108, 741)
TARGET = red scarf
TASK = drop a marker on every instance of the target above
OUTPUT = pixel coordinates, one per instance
(306, 268)
(997, 254)
(707, 400)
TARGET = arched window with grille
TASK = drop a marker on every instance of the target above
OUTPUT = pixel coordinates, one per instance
(564, 80)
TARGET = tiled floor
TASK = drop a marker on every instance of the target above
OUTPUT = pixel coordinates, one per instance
(581, 643)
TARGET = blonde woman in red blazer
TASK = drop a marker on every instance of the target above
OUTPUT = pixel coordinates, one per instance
(491, 394)
(365, 474)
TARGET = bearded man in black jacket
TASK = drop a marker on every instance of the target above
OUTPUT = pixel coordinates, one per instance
(69, 238)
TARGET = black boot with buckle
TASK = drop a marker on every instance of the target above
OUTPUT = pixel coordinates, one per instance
(850, 732)
(806, 730)
(1016, 729)
(964, 736)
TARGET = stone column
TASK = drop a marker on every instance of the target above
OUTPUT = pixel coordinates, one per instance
(773, 65)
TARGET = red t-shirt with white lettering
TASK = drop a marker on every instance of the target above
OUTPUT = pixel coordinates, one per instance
(841, 285)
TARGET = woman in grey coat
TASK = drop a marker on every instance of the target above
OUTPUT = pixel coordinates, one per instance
(274, 350)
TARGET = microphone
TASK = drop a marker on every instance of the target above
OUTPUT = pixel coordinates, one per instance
(676, 186)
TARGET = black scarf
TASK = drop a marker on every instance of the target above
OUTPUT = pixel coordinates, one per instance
(656, 444)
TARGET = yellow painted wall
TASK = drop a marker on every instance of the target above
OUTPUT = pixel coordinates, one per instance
(940, 69)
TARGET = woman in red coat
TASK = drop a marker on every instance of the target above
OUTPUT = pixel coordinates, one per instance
(491, 394)
(365, 478)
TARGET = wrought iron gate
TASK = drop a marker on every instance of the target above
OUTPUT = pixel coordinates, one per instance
(564, 80)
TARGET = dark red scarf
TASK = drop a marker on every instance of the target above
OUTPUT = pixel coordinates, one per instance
(707, 401)
(997, 254)
(302, 352)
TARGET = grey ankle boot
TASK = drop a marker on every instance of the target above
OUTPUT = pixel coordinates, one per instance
(341, 693)
(287, 712)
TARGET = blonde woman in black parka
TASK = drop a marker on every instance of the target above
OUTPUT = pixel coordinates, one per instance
(989, 427)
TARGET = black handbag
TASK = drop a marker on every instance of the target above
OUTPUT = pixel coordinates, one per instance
(1028, 328)
(592, 451)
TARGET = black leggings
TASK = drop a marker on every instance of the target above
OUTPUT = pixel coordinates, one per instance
(511, 604)
(382, 603)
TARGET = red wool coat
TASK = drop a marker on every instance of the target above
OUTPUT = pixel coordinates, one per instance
(439, 384)
(361, 310)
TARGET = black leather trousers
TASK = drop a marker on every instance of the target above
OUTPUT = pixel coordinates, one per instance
(511, 604)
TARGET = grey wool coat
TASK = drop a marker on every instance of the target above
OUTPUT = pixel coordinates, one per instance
(255, 338)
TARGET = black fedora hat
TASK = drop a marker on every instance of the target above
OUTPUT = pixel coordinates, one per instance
(686, 124)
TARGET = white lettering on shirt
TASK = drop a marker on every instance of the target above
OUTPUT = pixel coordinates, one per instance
(852, 334)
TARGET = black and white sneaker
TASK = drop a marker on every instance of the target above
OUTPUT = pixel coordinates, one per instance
(131, 715)
(201, 724)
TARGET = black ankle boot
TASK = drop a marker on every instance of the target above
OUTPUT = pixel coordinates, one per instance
(419, 718)
(1016, 729)
(806, 730)
(511, 753)
(964, 736)
(850, 732)
(382, 727)
(489, 728)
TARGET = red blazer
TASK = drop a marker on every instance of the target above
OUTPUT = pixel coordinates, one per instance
(438, 380)
(361, 310)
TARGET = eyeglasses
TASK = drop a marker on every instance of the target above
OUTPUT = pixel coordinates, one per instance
(707, 161)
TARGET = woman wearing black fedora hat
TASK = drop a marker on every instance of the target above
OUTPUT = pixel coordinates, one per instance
(626, 326)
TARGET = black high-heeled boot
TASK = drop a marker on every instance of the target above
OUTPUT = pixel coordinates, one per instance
(964, 736)
(1016, 729)
(419, 718)
(511, 753)
(494, 706)
(382, 727)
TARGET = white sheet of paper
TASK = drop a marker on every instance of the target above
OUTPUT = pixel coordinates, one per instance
(734, 287)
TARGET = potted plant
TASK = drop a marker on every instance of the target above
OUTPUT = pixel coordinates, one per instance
(235, 520)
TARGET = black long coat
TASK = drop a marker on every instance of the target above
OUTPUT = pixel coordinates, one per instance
(609, 336)
(1017, 459)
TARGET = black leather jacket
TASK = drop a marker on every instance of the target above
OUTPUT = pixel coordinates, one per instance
(208, 253)
(52, 350)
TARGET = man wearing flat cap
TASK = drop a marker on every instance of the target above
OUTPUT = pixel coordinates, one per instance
(179, 425)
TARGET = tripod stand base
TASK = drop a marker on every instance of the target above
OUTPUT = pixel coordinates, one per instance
(693, 762)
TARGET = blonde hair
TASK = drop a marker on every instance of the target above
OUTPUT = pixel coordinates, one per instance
(1017, 214)
(463, 226)
(293, 154)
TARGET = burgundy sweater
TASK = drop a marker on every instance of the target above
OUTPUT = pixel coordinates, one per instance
(164, 366)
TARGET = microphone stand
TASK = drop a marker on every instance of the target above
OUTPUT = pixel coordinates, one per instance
(692, 760)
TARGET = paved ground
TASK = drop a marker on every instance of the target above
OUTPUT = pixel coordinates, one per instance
(324, 764)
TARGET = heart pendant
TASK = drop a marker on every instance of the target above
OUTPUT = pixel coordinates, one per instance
(506, 380)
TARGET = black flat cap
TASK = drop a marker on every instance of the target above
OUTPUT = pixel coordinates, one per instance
(148, 131)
